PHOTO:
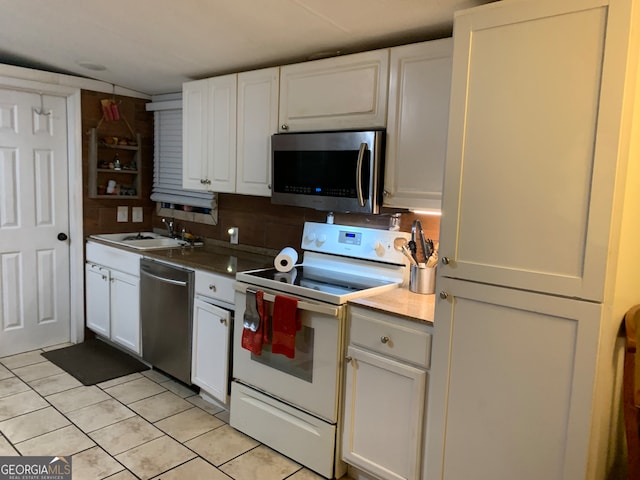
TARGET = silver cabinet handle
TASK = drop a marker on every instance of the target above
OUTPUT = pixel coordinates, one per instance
(444, 295)
(385, 339)
(223, 321)
(348, 359)
(284, 126)
(212, 287)
(446, 260)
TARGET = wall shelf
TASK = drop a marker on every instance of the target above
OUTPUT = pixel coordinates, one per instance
(105, 180)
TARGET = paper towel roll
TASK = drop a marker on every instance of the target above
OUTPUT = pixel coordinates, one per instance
(286, 259)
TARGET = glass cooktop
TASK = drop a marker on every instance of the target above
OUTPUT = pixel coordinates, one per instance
(318, 279)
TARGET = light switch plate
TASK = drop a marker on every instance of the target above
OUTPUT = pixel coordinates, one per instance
(136, 214)
(123, 214)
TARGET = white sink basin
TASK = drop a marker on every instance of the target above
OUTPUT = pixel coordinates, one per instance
(142, 240)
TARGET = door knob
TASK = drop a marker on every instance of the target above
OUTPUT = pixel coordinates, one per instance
(62, 237)
(446, 260)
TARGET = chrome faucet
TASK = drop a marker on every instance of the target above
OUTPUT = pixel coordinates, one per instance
(169, 224)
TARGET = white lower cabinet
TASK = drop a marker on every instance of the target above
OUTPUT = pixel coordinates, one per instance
(97, 280)
(125, 310)
(113, 295)
(210, 350)
(212, 334)
(385, 394)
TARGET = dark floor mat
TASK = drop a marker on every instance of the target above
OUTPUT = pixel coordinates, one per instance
(94, 361)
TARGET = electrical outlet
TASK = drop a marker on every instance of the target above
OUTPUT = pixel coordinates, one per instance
(123, 214)
(136, 214)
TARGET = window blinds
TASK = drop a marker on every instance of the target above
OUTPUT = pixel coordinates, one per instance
(167, 163)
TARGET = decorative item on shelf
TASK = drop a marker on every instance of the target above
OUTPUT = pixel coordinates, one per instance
(116, 162)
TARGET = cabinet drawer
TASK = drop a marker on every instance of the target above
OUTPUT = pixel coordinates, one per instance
(392, 336)
(215, 286)
(114, 258)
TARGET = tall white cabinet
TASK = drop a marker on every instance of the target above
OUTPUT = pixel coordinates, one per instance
(539, 249)
(417, 120)
(257, 121)
(209, 134)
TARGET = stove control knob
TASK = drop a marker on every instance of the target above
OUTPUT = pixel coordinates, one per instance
(310, 238)
(321, 239)
(379, 249)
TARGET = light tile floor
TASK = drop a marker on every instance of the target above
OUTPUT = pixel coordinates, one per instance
(141, 426)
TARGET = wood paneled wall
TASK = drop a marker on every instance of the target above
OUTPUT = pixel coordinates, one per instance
(265, 225)
(99, 215)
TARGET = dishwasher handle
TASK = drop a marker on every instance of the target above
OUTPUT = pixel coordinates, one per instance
(164, 279)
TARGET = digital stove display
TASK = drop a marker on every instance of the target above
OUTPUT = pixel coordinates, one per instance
(350, 238)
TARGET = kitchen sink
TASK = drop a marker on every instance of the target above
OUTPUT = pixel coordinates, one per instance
(141, 240)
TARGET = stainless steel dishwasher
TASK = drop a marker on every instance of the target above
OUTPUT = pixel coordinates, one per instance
(166, 312)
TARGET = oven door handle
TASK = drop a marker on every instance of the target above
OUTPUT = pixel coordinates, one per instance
(325, 309)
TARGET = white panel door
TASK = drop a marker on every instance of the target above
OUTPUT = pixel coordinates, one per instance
(348, 92)
(512, 384)
(417, 120)
(532, 147)
(34, 264)
(210, 351)
(194, 135)
(97, 280)
(222, 133)
(257, 121)
(383, 415)
(125, 310)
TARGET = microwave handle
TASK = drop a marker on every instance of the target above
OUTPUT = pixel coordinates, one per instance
(363, 148)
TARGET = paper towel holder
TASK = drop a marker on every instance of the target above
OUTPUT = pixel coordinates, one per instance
(233, 235)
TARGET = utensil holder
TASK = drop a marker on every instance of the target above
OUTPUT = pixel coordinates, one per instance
(423, 279)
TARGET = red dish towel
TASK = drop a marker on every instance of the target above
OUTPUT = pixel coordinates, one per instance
(253, 341)
(284, 325)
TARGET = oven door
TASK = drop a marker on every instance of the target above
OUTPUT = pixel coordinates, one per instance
(309, 381)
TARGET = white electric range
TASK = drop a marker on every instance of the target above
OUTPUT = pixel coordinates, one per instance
(293, 404)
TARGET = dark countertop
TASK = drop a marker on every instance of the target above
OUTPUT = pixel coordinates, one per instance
(214, 256)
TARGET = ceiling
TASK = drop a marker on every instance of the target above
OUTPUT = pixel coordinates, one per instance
(152, 46)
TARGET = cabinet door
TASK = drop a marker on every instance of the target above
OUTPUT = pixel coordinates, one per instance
(417, 121)
(210, 350)
(221, 130)
(335, 93)
(195, 135)
(532, 148)
(257, 121)
(97, 298)
(125, 310)
(384, 405)
(511, 386)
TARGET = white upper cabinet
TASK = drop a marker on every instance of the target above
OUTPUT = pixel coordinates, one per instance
(209, 134)
(346, 92)
(257, 121)
(417, 121)
(532, 147)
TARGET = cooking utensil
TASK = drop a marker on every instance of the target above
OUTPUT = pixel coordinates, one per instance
(423, 242)
(399, 242)
(251, 319)
(413, 248)
(409, 255)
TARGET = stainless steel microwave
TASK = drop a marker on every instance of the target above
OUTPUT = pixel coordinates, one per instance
(331, 171)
